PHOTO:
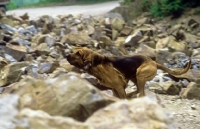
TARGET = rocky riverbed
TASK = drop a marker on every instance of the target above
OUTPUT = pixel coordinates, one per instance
(40, 89)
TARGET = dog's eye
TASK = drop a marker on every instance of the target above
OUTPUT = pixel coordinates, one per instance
(78, 53)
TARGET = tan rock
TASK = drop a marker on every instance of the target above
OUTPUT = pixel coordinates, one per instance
(105, 40)
(76, 39)
(126, 30)
(117, 24)
(115, 34)
(3, 62)
(192, 91)
(28, 118)
(162, 43)
(7, 21)
(176, 46)
(12, 72)
(66, 95)
(140, 113)
(43, 49)
(170, 87)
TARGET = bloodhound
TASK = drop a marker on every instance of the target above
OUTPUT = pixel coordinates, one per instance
(115, 72)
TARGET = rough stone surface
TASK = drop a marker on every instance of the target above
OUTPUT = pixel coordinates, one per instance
(137, 113)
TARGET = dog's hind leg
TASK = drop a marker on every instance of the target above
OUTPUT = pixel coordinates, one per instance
(141, 86)
(145, 72)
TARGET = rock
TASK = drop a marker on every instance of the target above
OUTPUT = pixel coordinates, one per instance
(113, 15)
(142, 21)
(191, 92)
(162, 43)
(28, 118)
(12, 72)
(54, 96)
(43, 49)
(132, 40)
(8, 111)
(190, 38)
(3, 62)
(150, 52)
(117, 24)
(16, 51)
(126, 30)
(20, 41)
(140, 113)
(115, 34)
(163, 55)
(167, 87)
(193, 23)
(176, 46)
(171, 87)
(39, 39)
(47, 67)
(8, 21)
(71, 39)
(8, 28)
(90, 30)
(105, 40)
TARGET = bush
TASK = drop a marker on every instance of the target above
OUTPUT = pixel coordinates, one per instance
(167, 7)
(162, 8)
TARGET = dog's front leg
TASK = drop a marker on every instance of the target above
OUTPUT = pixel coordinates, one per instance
(120, 91)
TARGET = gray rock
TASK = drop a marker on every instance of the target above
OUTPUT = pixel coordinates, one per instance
(47, 67)
(132, 40)
(16, 51)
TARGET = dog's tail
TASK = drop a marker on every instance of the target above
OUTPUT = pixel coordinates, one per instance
(176, 71)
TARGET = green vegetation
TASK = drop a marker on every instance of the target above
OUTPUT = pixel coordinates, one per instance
(162, 8)
(41, 3)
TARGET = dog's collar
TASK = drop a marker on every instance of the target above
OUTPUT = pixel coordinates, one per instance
(87, 66)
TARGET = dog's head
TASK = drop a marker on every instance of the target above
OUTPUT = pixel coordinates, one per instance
(84, 58)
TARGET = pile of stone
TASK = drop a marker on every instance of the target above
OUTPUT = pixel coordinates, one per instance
(39, 88)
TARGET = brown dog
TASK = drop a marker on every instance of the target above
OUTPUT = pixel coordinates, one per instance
(115, 72)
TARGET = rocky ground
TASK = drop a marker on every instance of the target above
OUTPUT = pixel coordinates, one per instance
(40, 89)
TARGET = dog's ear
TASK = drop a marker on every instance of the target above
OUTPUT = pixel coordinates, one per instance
(79, 52)
(97, 59)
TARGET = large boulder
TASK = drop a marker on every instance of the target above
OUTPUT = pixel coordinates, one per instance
(65, 95)
(28, 118)
(13, 118)
(8, 110)
(140, 113)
